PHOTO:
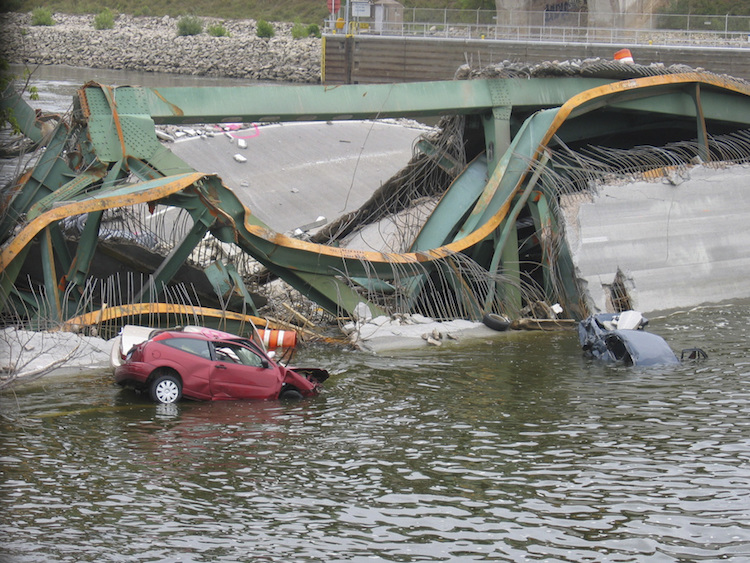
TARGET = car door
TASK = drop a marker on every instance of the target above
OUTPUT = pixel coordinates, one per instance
(241, 373)
(191, 357)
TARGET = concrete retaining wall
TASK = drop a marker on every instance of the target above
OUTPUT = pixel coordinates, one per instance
(376, 59)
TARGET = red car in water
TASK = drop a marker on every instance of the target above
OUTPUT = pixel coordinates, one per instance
(211, 365)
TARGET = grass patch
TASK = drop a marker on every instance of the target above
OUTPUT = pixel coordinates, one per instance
(42, 16)
(189, 25)
(104, 19)
(218, 30)
(300, 30)
(264, 29)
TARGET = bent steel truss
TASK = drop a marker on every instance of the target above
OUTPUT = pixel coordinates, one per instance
(500, 214)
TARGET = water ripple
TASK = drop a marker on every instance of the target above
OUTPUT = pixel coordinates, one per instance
(516, 450)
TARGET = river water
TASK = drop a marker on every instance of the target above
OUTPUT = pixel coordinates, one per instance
(510, 449)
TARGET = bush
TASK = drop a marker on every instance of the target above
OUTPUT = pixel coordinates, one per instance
(42, 16)
(299, 31)
(218, 30)
(264, 29)
(313, 30)
(104, 19)
(189, 25)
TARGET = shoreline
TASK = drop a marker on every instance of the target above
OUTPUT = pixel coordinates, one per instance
(150, 44)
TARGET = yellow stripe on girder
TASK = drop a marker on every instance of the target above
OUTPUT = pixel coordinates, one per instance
(111, 313)
(122, 199)
(576, 105)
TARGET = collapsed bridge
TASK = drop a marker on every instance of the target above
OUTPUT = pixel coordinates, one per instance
(512, 150)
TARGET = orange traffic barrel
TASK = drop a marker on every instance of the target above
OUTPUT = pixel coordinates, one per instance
(273, 338)
(624, 56)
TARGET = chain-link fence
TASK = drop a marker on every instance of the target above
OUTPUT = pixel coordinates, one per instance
(558, 23)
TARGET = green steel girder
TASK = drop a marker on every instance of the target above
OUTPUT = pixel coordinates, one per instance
(120, 133)
(675, 100)
(510, 170)
(50, 275)
(50, 172)
(87, 243)
(23, 114)
(506, 246)
(543, 224)
(556, 258)
(320, 103)
(177, 256)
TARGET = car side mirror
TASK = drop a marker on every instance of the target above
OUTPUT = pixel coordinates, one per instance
(264, 364)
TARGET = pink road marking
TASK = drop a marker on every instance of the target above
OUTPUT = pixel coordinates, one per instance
(256, 134)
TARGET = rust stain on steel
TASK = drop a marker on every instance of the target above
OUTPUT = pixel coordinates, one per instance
(175, 109)
(109, 93)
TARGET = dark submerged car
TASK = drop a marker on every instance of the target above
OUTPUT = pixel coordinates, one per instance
(211, 365)
(620, 338)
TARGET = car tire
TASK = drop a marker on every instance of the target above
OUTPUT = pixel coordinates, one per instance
(166, 389)
(496, 322)
(290, 395)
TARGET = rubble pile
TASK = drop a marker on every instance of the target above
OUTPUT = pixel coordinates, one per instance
(151, 44)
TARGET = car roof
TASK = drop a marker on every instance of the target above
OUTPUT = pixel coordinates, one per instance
(214, 336)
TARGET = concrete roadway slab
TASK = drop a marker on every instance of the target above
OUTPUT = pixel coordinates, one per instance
(678, 245)
(296, 172)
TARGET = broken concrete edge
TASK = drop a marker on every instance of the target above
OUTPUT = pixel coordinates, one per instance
(26, 354)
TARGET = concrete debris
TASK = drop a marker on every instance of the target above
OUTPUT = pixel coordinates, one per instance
(163, 136)
(26, 353)
(239, 158)
(406, 331)
(362, 313)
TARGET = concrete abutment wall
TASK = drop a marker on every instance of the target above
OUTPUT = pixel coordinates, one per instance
(363, 59)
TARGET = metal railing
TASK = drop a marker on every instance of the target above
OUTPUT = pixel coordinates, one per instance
(559, 26)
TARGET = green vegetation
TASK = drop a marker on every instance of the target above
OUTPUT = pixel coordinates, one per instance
(308, 10)
(265, 29)
(104, 19)
(676, 18)
(709, 7)
(189, 25)
(314, 11)
(300, 30)
(42, 16)
(281, 10)
(218, 30)
(313, 30)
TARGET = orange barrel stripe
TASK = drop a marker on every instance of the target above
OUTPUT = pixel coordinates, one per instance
(273, 338)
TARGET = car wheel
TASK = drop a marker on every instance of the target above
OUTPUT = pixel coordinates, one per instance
(290, 395)
(166, 389)
(496, 322)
